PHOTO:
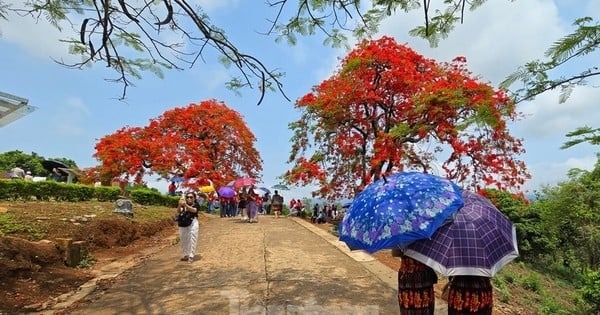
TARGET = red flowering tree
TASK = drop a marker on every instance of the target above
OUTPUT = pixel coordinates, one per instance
(200, 142)
(388, 109)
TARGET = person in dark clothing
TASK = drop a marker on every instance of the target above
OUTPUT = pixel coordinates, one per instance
(470, 295)
(415, 286)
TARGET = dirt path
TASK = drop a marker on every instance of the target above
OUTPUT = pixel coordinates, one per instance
(274, 267)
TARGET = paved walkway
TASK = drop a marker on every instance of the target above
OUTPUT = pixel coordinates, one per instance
(276, 266)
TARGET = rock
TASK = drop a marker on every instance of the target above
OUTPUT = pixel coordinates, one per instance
(124, 207)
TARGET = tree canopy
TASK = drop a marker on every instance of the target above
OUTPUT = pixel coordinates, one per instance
(388, 108)
(199, 142)
(29, 162)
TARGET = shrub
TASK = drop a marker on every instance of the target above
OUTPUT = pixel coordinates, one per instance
(590, 291)
(531, 282)
(503, 288)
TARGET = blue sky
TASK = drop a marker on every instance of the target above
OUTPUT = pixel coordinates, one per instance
(77, 107)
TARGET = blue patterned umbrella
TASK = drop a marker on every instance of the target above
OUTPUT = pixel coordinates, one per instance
(478, 242)
(395, 211)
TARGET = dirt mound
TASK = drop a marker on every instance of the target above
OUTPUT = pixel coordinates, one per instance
(118, 231)
(33, 273)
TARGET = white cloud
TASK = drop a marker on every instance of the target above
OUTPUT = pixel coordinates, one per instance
(550, 173)
(547, 118)
(37, 36)
(495, 38)
(42, 40)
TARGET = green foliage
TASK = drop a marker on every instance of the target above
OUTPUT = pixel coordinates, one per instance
(531, 282)
(581, 135)
(549, 306)
(87, 261)
(148, 196)
(106, 193)
(9, 225)
(571, 214)
(535, 76)
(11, 189)
(509, 277)
(590, 291)
(559, 272)
(501, 286)
(28, 162)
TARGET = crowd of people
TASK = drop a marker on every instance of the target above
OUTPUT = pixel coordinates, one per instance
(18, 172)
(247, 203)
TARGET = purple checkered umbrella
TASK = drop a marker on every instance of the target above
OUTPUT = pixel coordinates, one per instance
(397, 210)
(478, 242)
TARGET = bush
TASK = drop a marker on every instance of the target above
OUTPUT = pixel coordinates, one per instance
(104, 193)
(503, 288)
(591, 290)
(549, 306)
(147, 196)
(11, 189)
(531, 282)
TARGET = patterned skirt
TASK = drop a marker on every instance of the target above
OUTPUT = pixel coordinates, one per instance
(470, 295)
(415, 288)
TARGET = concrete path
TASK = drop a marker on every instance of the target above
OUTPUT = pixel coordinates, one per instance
(276, 266)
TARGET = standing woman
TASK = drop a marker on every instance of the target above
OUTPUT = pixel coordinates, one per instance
(415, 286)
(470, 295)
(187, 221)
(252, 206)
(243, 204)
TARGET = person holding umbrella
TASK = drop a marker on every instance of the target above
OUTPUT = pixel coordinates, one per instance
(395, 211)
(470, 250)
(470, 295)
(415, 286)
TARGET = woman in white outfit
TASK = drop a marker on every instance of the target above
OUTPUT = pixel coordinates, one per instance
(187, 220)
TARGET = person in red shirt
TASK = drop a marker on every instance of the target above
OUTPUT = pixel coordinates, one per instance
(297, 209)
(172, 189)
